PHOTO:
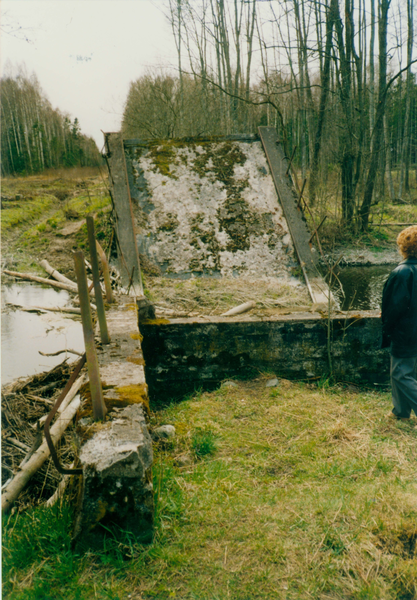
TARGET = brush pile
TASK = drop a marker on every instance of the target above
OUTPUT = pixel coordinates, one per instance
(24, 403)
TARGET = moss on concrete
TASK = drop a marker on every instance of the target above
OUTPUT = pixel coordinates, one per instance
(134, 394)
(163, 156)
(203, 238)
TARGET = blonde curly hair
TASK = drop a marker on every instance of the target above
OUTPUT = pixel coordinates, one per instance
(407, 242)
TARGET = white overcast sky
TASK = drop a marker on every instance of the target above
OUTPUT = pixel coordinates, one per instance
(86, 52)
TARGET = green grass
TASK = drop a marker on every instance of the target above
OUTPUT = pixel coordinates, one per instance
(203, 443)
(298, 492)
(46, 204)
(23, 213)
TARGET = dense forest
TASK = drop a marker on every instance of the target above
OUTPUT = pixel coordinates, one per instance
(35, 136)
(337, 79)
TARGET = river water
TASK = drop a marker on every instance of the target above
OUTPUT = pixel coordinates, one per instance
(23, 334)
(361, 287)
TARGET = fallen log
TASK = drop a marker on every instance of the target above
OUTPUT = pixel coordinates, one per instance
(18, 444)
(56, 274)
(106, 273)
(30, 277)
(237, 310)
(22, 478)
(73, 311)
(390, 224)
(68, 398)
(61, 352)
(59, 277)
(59, 492)
(92, 306)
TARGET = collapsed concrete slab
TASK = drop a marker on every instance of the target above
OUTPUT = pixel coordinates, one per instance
(116, 456)
(212, 207)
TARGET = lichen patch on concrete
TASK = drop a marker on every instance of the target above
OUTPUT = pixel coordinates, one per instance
(120, 373)
(211, 208)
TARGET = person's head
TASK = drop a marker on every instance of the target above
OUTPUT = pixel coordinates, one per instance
(407, 242)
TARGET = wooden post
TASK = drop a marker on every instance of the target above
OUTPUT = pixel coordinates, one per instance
(99, 408)
(101, 313)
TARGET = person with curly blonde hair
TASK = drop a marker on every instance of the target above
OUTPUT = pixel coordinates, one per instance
(399, 326)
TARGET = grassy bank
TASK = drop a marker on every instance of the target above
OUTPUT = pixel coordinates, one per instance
(43, 216)
(289, 492)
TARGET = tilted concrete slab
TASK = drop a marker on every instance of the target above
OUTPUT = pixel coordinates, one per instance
(290, 202)
(215, 207)
(207, 207)
(129, 266)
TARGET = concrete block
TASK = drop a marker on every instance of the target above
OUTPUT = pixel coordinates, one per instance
(117, 480)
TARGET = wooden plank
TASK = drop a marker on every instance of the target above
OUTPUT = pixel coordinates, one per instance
(307, 256)
(129, 259)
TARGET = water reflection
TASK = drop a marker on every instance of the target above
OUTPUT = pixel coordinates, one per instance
(23, 334)
(362, 287)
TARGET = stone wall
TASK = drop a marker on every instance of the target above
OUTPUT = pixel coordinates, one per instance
(184, 354)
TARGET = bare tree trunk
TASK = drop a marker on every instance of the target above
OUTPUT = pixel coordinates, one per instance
(249, 37)
(325, 81)
(346, 53)
(406, 146)
(379, 117)
(372, 70)
(388, 165)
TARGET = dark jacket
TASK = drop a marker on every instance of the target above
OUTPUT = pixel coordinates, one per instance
(399, 310)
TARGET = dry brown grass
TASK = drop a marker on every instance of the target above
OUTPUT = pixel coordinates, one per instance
(196, 296)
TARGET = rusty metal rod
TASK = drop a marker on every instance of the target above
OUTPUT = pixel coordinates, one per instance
(317, 228)
(99, 408)
(101, 313)
(289, 164)
(46, 427)
(301, 194)
(106, 273)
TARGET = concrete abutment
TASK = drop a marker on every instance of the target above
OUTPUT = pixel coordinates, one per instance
(182, 355)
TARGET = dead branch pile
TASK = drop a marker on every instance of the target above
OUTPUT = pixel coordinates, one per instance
(24, 403)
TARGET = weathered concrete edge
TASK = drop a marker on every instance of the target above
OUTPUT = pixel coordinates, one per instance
(306, 253)
(116, 456)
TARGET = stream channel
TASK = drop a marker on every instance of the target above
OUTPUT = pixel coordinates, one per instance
(24, 334)
(361, 287)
